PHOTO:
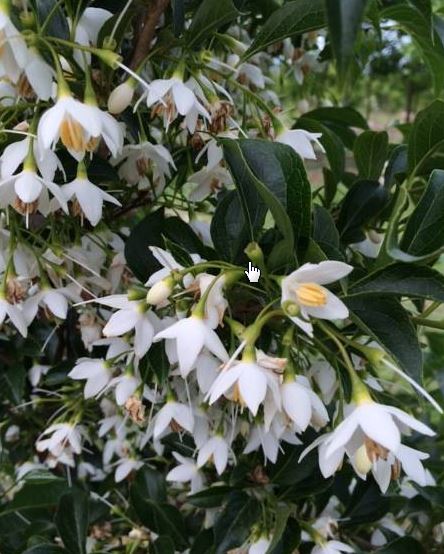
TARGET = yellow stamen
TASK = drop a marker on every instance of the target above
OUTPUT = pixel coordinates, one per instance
(311, 294)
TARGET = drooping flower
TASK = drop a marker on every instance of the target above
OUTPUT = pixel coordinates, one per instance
(301, 142)
(191, 335)
(79, 126)
(13, 49)
(304, 288)
(176, 412)
(186, 471)
(15, 315)
(87, 31)
(96, 372)
(216, 449)
(331, 547)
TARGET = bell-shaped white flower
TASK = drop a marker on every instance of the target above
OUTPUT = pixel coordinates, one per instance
(124, 467)
(304, 287)
(62, 435)
(96, 372)
(215, 449)
(79, 126)
(87, 31)
(174, 97)
(301, 404)
(173, 411)
(15, 315)
(13, 49)
(208, 182)
(90, 197)
(39, 74)
(260, 546)
(301, 142)
(125, 386)
(192, 335)
(186, 471)
(131, 314)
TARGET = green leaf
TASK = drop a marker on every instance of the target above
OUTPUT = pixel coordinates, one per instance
(344, 21)
(326, 234)
(399, 279)
(386, 321)
(366, 504)
(234, 523)
(289, 540)
(12, 382)
(71, 520)
(401, 546)
(178, 7)
(45, 549)
(370, 151)
(293, 18)
(230, 231)
(210, 16)
(150, 483)
(333, 146)
(412, 19)
(211, 497)
(278, 176)
(361, 203)
(343, 116)
(163, 545)
(37, 495)
(52, 16)
(160, 517)
(426, 136)
(424, 232)
(203, 543)
(397, 165)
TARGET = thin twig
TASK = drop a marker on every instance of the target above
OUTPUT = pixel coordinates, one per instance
(153, 15)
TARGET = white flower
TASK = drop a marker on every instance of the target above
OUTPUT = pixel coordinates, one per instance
(173, 410)
(146, 164)
(168, 264)
(96, 372)
(216, 304)
(208, 182)
(191, 335)
(248, 382)
(39, 75)
(36, 372)
(62, 436)
(89, 196)
(186, 471)
(215, 449)
(124, 467)
(178, 98)
(87, 30)
(14, 155)
(13, 50)
(260, 546)
(304, 288)
(301, 142)
(79, 126)
(125, 386)
(301, 404)
(131, 314)
(331, 547)
(52, 299)
(15, 315)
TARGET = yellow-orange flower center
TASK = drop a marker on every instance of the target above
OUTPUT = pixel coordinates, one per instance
(311, 294)
(72, 134)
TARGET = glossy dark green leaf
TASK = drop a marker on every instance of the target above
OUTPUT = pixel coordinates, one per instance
(160, 517)
(386, 321)
(52, 16)
(397, 165)
(230, 231)
(362, 202)
(293, 18)
(402, 546)
(210, 16)
(414, 21)
(234, 523)
(426, 136)
(46, 548)
(370, 151)
(289, 540)
(399, 279)
(12, 382)
(326, 234)
(178, 7)
(37, 495)
(163, 545)
(211, 497)
(204, 543)
(343, 116)
(150, 483)
(424, 232)
(71, 520)
(366, 504)
(344, 21)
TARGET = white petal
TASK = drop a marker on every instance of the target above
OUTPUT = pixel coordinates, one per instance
(120, 323)
(322, 273)
(378, 425)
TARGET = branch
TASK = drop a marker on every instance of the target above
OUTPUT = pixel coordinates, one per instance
(153, 15)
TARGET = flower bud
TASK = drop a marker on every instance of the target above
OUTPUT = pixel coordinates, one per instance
(121, 97)
(136, 293)
(160, 291)
(255, 254)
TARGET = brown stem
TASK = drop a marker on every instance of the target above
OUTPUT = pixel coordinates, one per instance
(146, 35)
